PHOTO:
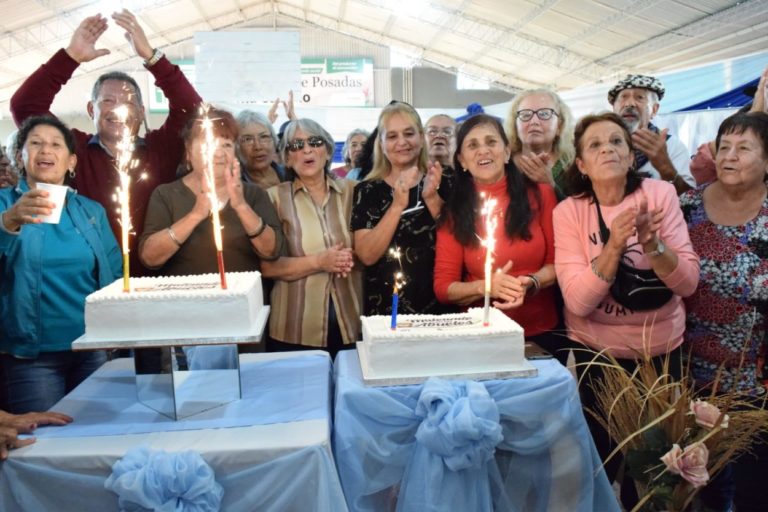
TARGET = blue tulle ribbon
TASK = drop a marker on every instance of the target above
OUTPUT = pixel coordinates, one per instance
(162, 481)
(460, 423)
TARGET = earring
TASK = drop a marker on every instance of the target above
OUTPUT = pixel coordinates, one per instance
(584, 177)
(71, 173)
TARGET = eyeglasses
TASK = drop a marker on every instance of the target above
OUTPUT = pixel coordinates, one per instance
(298, 144)
(434, 132)
(544, 114)
(249, 140)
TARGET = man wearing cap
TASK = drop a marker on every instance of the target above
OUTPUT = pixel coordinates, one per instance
(636, 99)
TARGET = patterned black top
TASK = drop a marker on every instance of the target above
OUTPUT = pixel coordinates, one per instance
(415, 236)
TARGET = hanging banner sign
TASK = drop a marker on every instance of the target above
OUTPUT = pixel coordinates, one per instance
(337, 82)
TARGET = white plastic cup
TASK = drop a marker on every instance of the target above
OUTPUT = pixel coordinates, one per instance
(57, 194)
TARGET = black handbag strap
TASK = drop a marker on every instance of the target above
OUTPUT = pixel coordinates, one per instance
(605, 233)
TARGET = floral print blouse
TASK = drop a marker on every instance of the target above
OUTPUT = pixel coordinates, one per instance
(727, 316)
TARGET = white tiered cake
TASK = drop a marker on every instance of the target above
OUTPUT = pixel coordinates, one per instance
(176, 308)
(452, 346)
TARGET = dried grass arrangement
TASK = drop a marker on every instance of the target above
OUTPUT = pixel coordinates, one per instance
(672, 439)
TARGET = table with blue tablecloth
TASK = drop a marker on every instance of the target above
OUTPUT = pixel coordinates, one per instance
(270, 450)
(506, 445)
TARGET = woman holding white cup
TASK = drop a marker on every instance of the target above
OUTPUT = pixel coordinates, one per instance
(47, 270)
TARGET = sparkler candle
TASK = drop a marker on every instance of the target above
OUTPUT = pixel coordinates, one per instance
(124, 163)
(396, 285)
(209, 150)
(489, 221)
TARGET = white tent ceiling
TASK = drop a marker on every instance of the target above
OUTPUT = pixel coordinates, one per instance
(513, 43)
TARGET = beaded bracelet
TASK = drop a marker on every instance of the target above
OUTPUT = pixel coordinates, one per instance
(600, 276)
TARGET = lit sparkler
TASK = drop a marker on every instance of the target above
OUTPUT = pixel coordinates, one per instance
(489, 221)
(125, 162)
(397, 284)
(209, 150)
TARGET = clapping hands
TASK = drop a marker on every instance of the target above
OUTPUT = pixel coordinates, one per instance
(507, 289)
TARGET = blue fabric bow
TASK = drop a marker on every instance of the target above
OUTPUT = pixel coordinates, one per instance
(455, 442)
(160, 481)
(460, 423)
(545, 461)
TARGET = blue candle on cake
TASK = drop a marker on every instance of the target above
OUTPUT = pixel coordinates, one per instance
(395, 299)
(397, 283)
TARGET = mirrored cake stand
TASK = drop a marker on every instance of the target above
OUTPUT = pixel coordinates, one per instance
(183, 377)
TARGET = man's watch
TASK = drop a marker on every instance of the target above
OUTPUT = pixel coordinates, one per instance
(156, 56)
(660, 248)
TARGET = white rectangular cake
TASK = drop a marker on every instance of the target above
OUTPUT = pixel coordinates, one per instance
(177, 307)
(455, 345)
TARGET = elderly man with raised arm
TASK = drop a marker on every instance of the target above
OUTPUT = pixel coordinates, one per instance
(636, 99)
(157, 153)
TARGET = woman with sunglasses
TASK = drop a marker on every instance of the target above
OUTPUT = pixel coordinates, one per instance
(393, 217)
(178, 229)
(540, 131)
(316, 294)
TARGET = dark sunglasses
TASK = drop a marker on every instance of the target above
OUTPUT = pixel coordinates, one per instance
(298, 144)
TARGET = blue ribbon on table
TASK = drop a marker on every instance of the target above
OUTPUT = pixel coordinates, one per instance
(162, 481)
(455, 442)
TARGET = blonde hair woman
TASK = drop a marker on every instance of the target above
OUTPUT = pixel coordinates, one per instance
(540, 130)
(395, 208)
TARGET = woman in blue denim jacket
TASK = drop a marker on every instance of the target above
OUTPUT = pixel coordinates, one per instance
(47, 270)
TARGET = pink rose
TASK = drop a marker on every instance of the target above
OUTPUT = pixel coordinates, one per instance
(691, 463)
(707, 414)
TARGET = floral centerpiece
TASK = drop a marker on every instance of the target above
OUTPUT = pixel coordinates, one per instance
(673, 440)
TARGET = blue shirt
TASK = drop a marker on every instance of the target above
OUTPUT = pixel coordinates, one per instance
(47, 270)
(68, 277)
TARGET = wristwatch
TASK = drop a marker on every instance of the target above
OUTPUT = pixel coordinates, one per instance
(660, 248)
(156, 56)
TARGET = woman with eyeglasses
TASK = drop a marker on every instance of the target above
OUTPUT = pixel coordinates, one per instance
(540, 131)
(178, 229)
(394, 213)
(524, 253)
(257, 150)
(317, 292)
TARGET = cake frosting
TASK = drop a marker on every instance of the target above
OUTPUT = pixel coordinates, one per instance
(442, 345)
(175, 307)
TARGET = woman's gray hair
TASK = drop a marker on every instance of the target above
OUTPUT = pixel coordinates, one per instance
(345, 150)
(311, 128)
(246, 117)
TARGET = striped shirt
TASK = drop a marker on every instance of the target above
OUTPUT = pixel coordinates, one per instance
(300, 308)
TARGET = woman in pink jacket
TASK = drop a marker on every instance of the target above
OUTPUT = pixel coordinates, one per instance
(643, 227)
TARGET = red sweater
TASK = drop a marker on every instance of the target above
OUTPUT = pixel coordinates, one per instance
(455, 262)
(96, 177)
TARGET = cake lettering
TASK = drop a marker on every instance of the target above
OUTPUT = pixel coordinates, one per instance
(437, 322)
(171, 287)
